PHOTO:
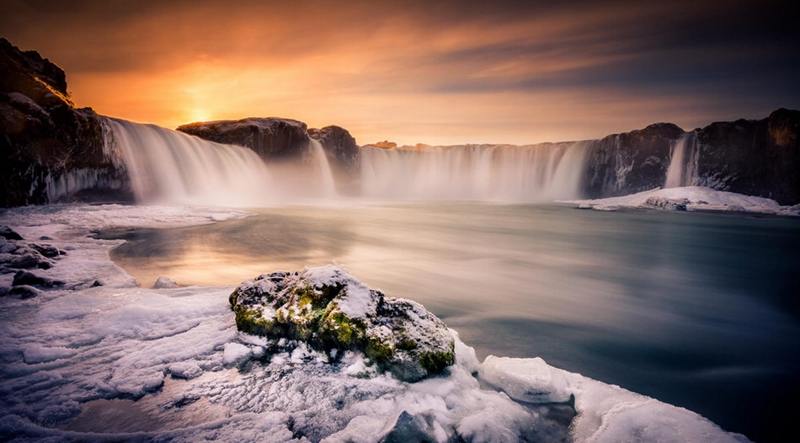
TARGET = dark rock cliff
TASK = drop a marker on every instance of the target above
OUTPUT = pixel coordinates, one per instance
(630, 162)
(49, 150)
(343, 155)
(271, 138)
(753, 157)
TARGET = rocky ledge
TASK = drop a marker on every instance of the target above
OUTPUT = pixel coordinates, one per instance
(50, 150)
(271, 138)
(21, 258)
(332, 311)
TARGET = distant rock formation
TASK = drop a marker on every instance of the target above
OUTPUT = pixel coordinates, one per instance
(630, 162)
(271, 138)
(751, 157)
(49, 150)
(386, 144)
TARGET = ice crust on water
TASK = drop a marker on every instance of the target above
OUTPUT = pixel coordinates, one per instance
(692, 198)
(178, 354)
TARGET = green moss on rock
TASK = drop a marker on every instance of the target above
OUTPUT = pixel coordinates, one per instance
(329, 309)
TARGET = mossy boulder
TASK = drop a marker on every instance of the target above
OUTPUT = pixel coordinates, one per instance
(330, 309)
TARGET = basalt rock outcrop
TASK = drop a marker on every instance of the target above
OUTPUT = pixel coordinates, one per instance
(271, 138)
(752, 157)
(343, 155)
(50, 150)
(630, 162)
(332, 311)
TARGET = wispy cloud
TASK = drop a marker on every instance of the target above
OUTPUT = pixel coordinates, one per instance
(436, 72)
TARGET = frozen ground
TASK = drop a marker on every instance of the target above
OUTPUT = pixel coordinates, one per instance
(113, 361)
(690, 198)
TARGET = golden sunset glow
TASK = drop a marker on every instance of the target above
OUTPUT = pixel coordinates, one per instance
(453, 72)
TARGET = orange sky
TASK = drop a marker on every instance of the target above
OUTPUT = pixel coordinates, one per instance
(439, 73)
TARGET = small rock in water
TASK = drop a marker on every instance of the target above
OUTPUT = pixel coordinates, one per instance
(22, 278)
(412, 428)
(666, 203)
(329, 309)
(24, 291)
(165, 283)
(9, 234)
(46, 250)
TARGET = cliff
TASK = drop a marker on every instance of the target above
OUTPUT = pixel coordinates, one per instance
(49, 150)
(630, 162)
(752, 157)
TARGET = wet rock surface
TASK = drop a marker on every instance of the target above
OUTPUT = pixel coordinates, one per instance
(332, 311)
(26, 260)
(271, 138)
(50, 150)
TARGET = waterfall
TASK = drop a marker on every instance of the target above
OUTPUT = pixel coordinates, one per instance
(682, 170)
(171, 167)
(543, 172)
(322, 169)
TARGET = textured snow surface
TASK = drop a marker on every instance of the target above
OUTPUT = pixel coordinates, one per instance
(119, 362)
(698, 198)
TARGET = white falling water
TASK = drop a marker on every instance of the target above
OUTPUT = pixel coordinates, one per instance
(475, 172)
(172, 167)
(682, 168)
(322, 169)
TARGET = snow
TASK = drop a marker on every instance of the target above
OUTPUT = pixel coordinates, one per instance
(698, 198)
(171, 365)
(235, 353)
(356, 303)
(530, 380)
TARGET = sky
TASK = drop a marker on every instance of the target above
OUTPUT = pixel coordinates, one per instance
(435, 72)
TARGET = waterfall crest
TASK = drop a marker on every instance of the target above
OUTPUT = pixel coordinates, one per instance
(171, 167)
(475, 172)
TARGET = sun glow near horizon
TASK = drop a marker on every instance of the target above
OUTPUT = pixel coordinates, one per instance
(451, 73)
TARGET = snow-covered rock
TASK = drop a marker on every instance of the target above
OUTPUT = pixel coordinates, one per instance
(330, 309)
(689, 198)
(165, 283)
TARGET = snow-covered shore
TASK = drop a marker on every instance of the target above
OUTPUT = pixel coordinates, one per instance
(690, 198)
(100, 358)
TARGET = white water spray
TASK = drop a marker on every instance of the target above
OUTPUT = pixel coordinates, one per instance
(475, 172)
(682, 169)
(171, 167)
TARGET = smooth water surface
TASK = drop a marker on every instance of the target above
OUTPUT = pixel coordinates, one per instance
(698, 310)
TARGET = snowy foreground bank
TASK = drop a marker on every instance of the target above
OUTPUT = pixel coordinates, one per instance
(690, 198)
(95, 357)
